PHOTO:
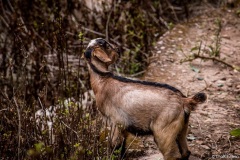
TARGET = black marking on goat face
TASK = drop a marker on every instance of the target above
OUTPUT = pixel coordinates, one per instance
(99, 42)
(88, 53)
(102, 43)
(105, 44)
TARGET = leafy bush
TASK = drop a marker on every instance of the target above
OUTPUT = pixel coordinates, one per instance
(235, 132)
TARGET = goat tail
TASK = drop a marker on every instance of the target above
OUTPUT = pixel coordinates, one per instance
(192, 102)
(198, 98)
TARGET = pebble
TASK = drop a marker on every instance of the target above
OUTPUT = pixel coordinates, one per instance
(224, 79)
(223, 95)
(160, 42)
(205, 147)
(220, 83)
(162, 48)
(199, 142)
(226, 36)
(191, 137)
(229, 84)
(180, 39)
(181, 32)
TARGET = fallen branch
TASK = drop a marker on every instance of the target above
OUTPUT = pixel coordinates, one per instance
(196, 56)
(201, 56)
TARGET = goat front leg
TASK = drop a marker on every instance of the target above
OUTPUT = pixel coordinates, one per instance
(118, 139)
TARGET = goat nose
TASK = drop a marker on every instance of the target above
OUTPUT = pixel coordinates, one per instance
(88, 53)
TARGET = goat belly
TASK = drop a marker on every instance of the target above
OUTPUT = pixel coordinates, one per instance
(138, 131)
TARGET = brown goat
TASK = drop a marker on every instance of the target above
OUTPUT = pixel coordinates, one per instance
(140, 107)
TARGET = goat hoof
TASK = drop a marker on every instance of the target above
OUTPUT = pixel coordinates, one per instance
(186, 156)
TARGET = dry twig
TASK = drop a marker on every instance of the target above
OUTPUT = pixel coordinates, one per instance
(19, 127)
(198, 56)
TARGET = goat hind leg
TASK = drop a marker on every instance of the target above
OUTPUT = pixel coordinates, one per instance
(182, 143)
(166, 141)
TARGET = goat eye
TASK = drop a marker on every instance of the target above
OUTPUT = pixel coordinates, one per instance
(101, 42)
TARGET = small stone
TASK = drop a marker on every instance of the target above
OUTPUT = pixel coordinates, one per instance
(191, 137)
(229, 84)
(224, 79)
(220, 85)
(160, 42)
(226, 36)
(180, 39)
(184, 71)
(181, 32)
(199, 142)
(205, 147)
(238, 87)
(162, 48)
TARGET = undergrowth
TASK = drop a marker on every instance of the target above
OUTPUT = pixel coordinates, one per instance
(41, 44)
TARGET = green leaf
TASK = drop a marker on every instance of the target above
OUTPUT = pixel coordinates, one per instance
(195, 48)
(39, 146)
(76, 145)
(238, 12)
(195, 69)
(81, 36)
(220, 85)
(235, 132)
(31, 152)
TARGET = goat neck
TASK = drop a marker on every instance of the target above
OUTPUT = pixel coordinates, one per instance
(98, 75)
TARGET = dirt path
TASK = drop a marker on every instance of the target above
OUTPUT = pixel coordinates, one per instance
(210, 124)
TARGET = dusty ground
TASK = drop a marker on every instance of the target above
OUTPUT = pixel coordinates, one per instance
(210, 124)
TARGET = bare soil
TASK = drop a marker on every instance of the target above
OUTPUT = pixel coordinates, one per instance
(212, 121)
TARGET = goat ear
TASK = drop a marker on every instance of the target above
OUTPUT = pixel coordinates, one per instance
(101, 55)
(113, 56)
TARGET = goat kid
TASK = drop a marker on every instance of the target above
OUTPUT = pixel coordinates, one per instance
(140, 107)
